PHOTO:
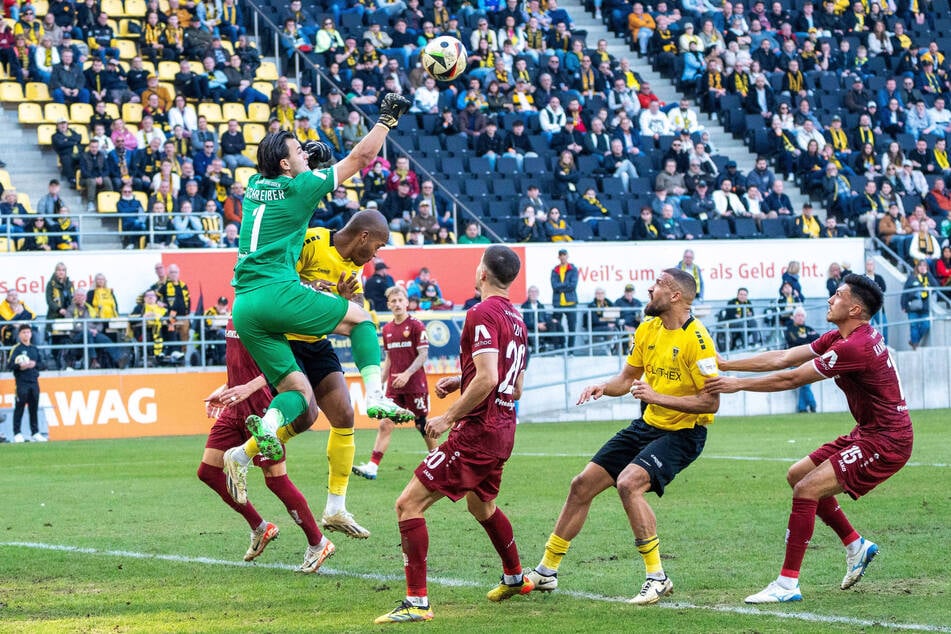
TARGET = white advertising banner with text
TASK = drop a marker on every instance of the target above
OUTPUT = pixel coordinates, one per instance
(726, 265)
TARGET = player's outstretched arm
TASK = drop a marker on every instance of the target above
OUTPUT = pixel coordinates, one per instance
(618, 385)
(231, 396)
(702, 403)
(776, 382)
(392, 108)
(768, 361)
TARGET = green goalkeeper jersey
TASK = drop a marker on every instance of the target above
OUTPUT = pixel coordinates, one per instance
(274, 217)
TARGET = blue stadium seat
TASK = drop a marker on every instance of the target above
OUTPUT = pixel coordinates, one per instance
(479, 165)
(581, 231)
(503, 187)
(452, 166)
(610, 229)
(692, 226)
(476, 187)
(506, 165)
(745, 228)
(719, 228)
(457, 144)
(774, 228)
(612, 186)
(429, 144)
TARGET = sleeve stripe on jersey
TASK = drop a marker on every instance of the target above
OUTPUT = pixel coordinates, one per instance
(815, 364)
(476, 353)
(333, 171)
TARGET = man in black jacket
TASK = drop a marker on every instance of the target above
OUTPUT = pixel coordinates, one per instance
(374, 289)
(94, 171)
(25, 362)
(66, 143)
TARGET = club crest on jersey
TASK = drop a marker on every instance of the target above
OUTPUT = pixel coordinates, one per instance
(406, 332)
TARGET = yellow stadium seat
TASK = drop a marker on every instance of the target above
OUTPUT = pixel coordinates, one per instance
(251, 151)
(234, 111)
(148, 66)
(225, 44)
(267, 71)
(53, 112)
(40, 7)
(11, 92)
(264, 87)
(44, 134)
(29, 113)
(242, 174)
(163, 6)
(211, 112)
(397, 239)
(124, 30)
(37, 92)
(132, 128)
(113, 8)
(112, 109)
(106, 202)
(196, 67)
(167, 70)
(143, 198)
(135, 8)
(5, 179)
(253, 132)
(24, 199)
(259, 112)
(83, 133)
(7, 245)
(80, 113)
(127, 49)
(131, 112)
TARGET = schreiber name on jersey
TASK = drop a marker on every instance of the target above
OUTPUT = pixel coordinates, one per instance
(265, 194)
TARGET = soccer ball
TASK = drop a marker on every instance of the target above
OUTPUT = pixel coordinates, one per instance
(444, 58)
(21, 359)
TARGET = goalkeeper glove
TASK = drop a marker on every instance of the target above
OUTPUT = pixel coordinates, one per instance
(393, 107)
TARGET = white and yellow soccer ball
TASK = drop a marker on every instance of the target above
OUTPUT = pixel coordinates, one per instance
(444, 58)
(21, 359)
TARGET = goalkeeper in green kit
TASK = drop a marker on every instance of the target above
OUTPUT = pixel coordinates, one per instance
(270, 299)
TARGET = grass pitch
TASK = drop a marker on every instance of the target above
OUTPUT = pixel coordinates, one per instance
(120, 536)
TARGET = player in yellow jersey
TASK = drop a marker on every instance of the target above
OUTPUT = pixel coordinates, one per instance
(671, 359)
(330, 262)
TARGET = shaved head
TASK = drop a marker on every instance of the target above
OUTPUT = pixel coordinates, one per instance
(684, 282)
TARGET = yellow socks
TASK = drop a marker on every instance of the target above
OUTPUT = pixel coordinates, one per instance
(340, 451)
(284, 434)
(650, 551)
(555, 549)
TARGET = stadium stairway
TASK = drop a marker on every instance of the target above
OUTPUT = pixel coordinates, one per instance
(724, 142)
(31, 170)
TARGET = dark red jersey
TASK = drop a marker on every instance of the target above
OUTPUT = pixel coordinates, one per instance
(241, 370)
(492, 325)
(402, 343)
(865, 371)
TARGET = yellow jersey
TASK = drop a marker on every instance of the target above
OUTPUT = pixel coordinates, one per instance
(676, 363)
(320, 261)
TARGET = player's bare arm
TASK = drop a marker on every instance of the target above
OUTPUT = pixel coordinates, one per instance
(422, 355)
(703, 403)
(776, 382)
(447, 385)
(486, 380)
(392, 108)
(768, 361)
(618, 385)
(233, 395)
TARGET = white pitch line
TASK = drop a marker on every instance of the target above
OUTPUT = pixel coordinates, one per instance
(527, 454)
(465, 583)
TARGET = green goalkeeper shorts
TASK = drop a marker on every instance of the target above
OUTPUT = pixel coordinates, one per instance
(264, 315)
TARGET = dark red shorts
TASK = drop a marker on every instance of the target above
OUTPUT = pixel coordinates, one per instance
(416, 403)
(228, 432)
(454, 469)
(860, 462)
